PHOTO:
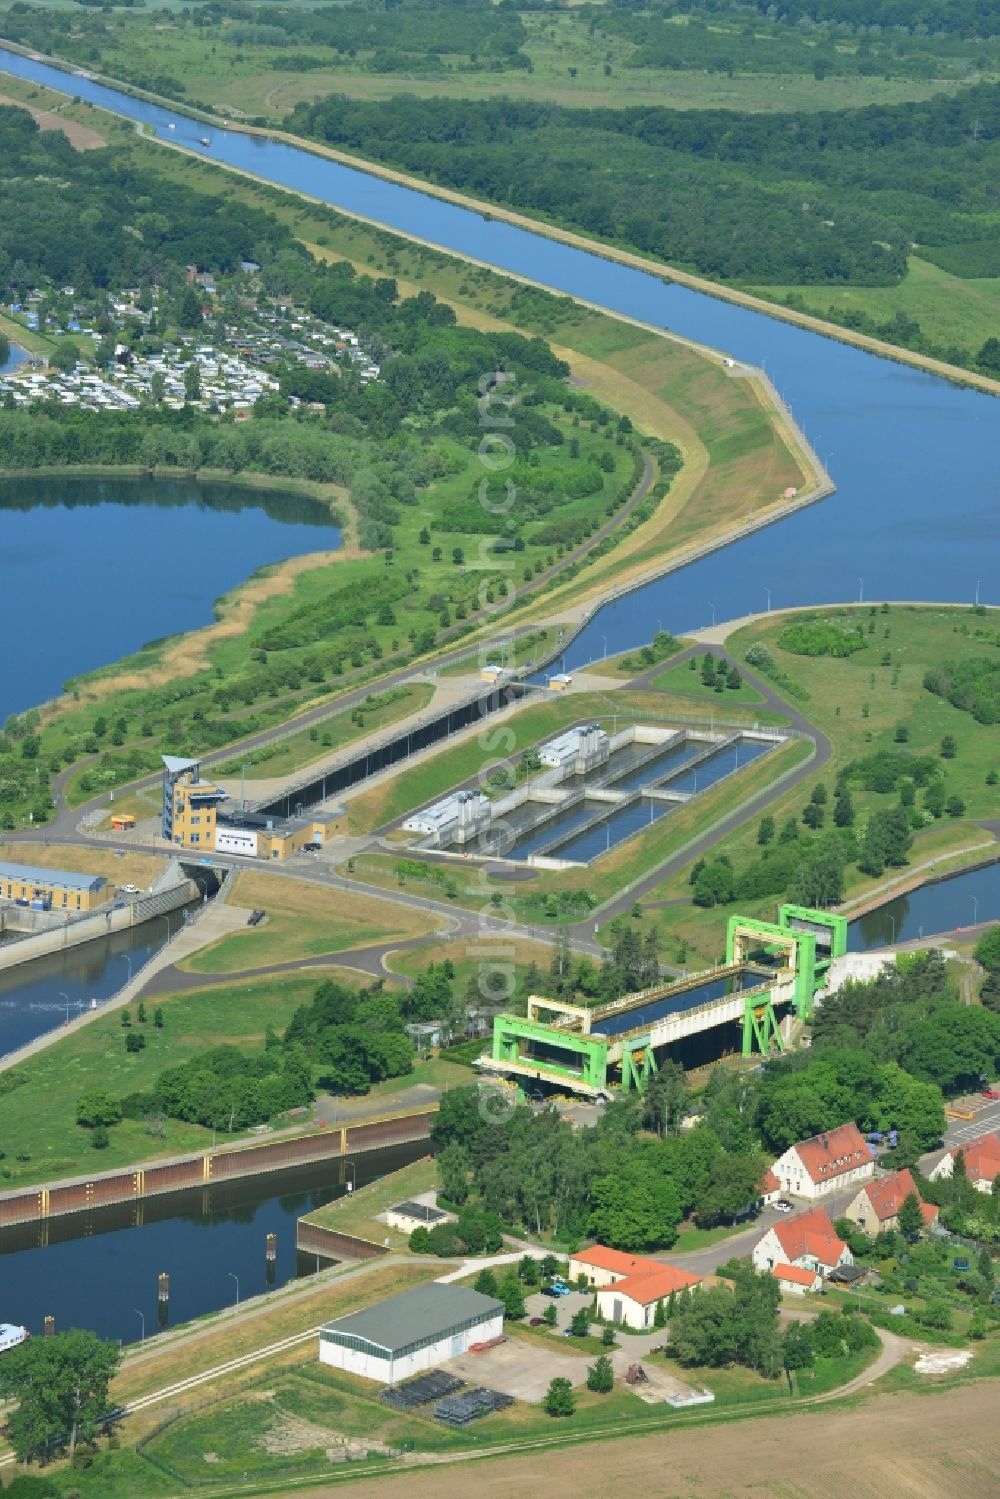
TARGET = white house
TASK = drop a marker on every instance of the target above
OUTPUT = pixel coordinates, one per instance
(629, 1286)
(795, 1280)
(982, 1161)
(826, 1163)
(876, 1207)
(808, 1241)
(409, 1333)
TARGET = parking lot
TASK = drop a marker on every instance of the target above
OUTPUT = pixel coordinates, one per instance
(985, 1117)
(519, 1368)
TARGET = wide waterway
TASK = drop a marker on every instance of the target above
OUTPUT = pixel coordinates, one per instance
(91, 569)
(914, 457)
(99, 1271)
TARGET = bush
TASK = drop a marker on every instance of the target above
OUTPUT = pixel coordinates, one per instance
(97, 1108)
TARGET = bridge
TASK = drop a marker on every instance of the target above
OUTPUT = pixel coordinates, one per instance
(601, 1051)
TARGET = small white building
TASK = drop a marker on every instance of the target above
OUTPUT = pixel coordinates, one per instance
(826, 1163)
(457, 819)
(406, 1334)
(629, 1286)
(808, 1241)
(579, 750)
(795, 1280)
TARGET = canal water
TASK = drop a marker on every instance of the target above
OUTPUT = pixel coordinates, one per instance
(44, 993)
(962, 900)
(915, 515)
(100, 1271)
(91, 569)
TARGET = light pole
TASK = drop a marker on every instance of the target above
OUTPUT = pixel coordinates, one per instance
(605, 639)
(768, 592)
(142, 1334)
(233, 1276)
(350, 1184)
(166, 923)
(893, 920)
(128, 960)
(861, 590)
(975, 909)
(712, 607)
(977, 593)
(66, 998)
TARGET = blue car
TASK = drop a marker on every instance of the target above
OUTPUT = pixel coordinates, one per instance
(557, 1288)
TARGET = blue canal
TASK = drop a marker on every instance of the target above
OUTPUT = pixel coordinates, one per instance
(914, 457)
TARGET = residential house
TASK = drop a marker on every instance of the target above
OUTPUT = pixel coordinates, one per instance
(876, 1208)
(808, 1241)
(628, 1286)
(982, 1161)
(795, 1280)
(826, 1163)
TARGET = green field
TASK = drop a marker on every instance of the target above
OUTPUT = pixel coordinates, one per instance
(41, 1138)
(859, 703)
(682, 679)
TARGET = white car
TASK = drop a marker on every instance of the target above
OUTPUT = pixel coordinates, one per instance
(781, 1206)
(128, 890)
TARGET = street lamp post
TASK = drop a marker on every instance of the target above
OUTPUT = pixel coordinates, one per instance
(233, 1276)
(768, 592)
(893, 920)
(712, 607)
(350, 1184)
(142, 1334)
(975, 909)
(66, 998)
(861, 590)
(128, 960)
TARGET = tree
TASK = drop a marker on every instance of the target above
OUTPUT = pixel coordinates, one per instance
(61, 1386)
(660, 1314)
(843, 808)
(987, 950)
(550, 1315)
(187, 313)
(910, 1218)
(559, 1398)
(96, 1107)
(454, 1166)
(796, 1349)
(765, 830)
(949, 747)
(510, 1293)
(192, 381)
(158, 1018)
(601, 1376)
(580, 1322)
(635, 1207)
(486, 1284)
(608, 1336)
(64, 357)
(665, 1099)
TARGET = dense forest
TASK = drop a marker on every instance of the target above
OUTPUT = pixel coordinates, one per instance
(973, 18)
(831, 197)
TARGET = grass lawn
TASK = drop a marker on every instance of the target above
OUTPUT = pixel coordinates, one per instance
(303, 920)
(838, 690)
(357, 1213)
(949, 309)
(130, 868)
(690, 1239)
(301, 749)
(687, 681)
(41, 1138)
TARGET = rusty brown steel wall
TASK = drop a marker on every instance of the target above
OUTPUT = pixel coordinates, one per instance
(224, 1165)
(314, 1239)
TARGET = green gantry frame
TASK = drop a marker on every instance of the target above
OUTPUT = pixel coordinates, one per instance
(744, 932)
(760, 1024)
(589, 1053)
(825, 920)
(638, 1063)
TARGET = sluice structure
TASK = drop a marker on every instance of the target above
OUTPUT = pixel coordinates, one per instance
(771, 970)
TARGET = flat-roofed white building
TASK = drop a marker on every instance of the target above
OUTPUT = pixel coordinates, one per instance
(580, 749)
(456, 819)
(406, 1334)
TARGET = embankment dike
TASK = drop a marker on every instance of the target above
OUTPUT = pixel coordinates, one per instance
(39, 1204)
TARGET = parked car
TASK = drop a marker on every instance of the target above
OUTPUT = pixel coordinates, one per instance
(311, 848)
(536, 1321)
(128, 889)
(782, 1206)
(991, 1092)
(557, 1288)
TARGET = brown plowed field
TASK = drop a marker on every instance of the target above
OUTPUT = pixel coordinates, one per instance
(935, 1446)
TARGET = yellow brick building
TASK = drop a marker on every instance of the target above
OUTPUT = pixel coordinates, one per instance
(189, 804)
(52, 889)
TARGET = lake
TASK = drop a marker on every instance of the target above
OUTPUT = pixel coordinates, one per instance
(91, 569)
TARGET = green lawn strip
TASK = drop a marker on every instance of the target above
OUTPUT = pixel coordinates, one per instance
(38, 1130)
(687, 680)
(284, 937)
(358, 1212)
(303, 748)
(690, 1239)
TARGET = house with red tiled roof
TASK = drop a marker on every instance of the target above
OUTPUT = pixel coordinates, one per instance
(769, 1188)
(827, 1163)
(795, 1280)
(628, 1286)
(808, 1240)
(982, 1161)
(876, 1208)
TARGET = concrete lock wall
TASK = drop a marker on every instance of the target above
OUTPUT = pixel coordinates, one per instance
(38, 1203)
(97, 924)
